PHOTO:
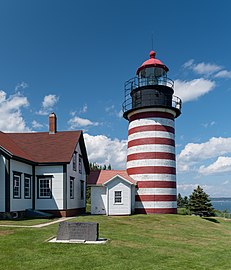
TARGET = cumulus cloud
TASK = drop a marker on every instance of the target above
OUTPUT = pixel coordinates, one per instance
(48, 103)
(223, 74)
(113, 111)
(202, 68)
(77, 122)
(21, 86)
(221, 165)
(104, 150)
(83, 109)
(192, 90)
(35, 124)
(10, 112)
(193, 153)
(209, 124)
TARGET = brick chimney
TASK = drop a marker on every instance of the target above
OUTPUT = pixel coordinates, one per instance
(52, 123)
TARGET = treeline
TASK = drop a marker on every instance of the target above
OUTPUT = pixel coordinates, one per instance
(96, 167)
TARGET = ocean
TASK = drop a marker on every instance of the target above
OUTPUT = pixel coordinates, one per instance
(222, 204)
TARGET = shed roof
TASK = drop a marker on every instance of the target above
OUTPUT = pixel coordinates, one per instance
(102, 176)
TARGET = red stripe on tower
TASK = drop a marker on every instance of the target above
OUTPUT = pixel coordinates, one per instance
(151, 128)
(143, 141)
(156, 210)
(156, 184)
(156, 198)
(151, 155)
(152, 169)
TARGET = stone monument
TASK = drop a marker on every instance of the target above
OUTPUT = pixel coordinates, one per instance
(82, 231)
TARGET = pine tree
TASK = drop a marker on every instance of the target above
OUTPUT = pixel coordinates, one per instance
(179, 201)
(109, 167)
(185, 201)
(199, 203)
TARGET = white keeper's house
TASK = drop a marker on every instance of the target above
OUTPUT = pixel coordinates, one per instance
(44, 171)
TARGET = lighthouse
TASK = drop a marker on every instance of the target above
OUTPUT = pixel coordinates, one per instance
(151, 108)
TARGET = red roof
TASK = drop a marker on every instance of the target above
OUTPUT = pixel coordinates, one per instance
(42, 147)
(102, 176)
(152, 62)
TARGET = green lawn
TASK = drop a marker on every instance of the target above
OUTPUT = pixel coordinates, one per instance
(27, 222)
(136, 242)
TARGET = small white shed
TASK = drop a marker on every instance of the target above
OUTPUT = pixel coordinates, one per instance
(112, 192)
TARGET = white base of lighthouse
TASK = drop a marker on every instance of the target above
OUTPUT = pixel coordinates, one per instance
(151, 160)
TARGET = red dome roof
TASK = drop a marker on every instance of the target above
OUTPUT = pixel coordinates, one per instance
(152, 62)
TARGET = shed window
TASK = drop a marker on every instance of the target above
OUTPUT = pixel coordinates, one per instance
(118, 197)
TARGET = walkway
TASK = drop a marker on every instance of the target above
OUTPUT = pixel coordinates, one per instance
(39, 225)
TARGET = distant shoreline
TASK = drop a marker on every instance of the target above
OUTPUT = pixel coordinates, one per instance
(217, 199)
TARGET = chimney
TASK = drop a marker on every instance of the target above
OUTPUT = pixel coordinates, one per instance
(52, 123)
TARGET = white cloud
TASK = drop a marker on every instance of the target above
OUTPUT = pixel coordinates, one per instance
(191, 90)
(223, 74)
(206, 68)
(210, 124)
(202, 68)
(48, 103)
(120, 114)
(83, 109)
(193, 153)
(113, 111)
(110, 108)
(104, 150)
(221, 165)
(10, 112)
(186, 188)
(76, 122)
(35, 124)
(189, 63)
(21, 86)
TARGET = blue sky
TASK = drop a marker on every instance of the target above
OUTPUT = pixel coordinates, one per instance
(73, 57)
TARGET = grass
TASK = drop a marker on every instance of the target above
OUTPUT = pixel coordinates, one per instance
(27, 222)
(136, 242)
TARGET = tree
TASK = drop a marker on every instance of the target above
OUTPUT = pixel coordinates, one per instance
(185, 202)
(182, 202)
(199, 203)
(95, 167)
(179, 201)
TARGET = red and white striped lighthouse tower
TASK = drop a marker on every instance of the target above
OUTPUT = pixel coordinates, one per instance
(151, 109)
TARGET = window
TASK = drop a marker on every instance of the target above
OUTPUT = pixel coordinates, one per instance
(72, 187)
(74, 161)
(81, 189)
(17, 185)
(27, 186)
(80, 164)
(44, 187)
(118, 197)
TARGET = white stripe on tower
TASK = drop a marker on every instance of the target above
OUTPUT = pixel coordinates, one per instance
(151, 160)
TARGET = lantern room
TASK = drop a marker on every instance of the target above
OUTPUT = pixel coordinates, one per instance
(150, 88)
(152, 68)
